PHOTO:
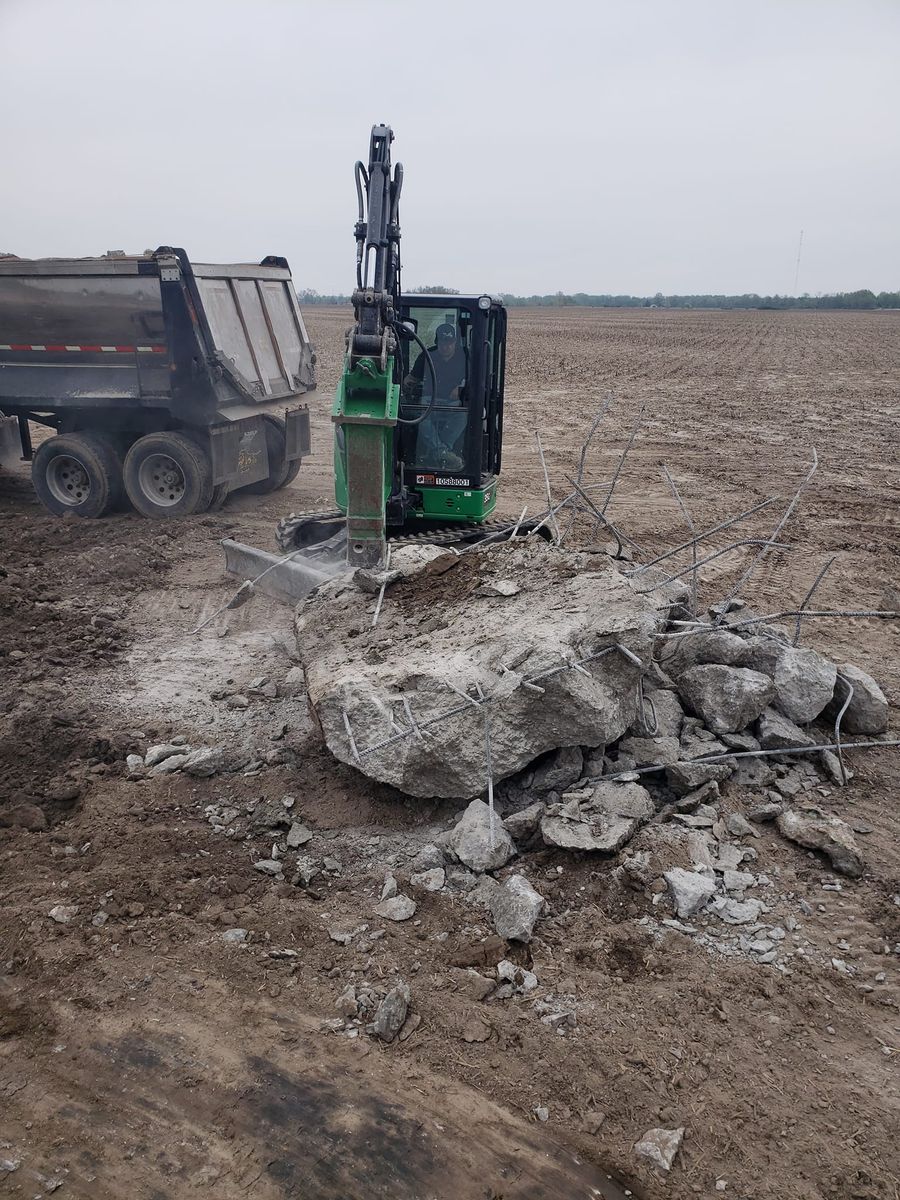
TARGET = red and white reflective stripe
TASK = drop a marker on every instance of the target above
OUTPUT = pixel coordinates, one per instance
(88, 349)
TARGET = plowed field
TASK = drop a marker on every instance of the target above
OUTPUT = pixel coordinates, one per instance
(141, 1055)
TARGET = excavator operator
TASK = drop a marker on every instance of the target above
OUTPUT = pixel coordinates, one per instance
(440, 438)
(449, 369)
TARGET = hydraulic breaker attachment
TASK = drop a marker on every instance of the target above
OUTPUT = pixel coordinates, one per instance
(365, 413)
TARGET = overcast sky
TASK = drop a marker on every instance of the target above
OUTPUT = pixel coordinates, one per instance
(628, 146)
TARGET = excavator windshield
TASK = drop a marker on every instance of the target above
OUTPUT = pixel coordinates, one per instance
(437, 443)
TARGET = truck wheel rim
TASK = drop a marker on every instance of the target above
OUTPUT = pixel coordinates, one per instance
(161, 480)
(68, 481)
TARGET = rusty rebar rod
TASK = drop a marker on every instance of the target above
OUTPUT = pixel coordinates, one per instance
(621, 463)
(703, 627)
(809, 595)
(693, 532)
(837, 727)
(537, 438)
(702, 536)
(582, 461)
(744, 579)
(709, 558)
(815, 748)
(598, 514)
(483, 699)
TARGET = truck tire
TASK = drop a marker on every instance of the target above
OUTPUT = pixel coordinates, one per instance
(78, 473)
(280, 471)
(168, 475)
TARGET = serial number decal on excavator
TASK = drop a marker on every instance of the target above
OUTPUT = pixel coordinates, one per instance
(450, 481)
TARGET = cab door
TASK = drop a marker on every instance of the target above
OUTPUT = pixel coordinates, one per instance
(495, 369)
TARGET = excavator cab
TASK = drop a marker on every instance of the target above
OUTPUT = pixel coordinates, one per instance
(449, 434)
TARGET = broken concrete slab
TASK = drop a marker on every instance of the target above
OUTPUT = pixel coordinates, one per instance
(515, 907)
(804, 683)
(867, 711)
(393, 682)
(473, 842)
(690, 890)
(559, 770)
(522, 824)
(164, 750)
(707, 793)
(429, 881)
(696, 649)
(776, 732)
(686, 777)
(601, 818)
(756, 773)
(830, 835)
(727, 698)
(666, 707)
(650, 752)
(736, 912)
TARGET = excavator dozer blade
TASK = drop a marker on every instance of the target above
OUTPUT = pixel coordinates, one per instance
(285, 577)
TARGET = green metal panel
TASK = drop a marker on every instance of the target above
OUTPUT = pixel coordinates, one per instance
(457, 504)
(365, 407)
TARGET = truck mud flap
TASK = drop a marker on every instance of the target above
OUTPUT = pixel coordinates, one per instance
(238, 451)
(10, 441)
(297, 436)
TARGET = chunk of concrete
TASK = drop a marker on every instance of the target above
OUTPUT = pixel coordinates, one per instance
(727, 698)
(736, 912)
(396, 908)
(562, 768)
(686, 777)
(804, 683)
(756, 773)
(602, 818)
(696, 649)
(650, 752)
(473, 843)
(391, 1013)
(659, 1147)
(429, 881)
(830, 835)
(522, 824)
(690, 890)
(867, 711)
(203, 763)
(776, 732)
(569, 610)
(668, 712)
(515, 907)
(159, 753)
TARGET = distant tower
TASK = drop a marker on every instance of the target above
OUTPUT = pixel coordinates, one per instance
(797, 272)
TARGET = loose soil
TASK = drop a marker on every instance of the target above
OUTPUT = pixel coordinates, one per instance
(140, 1054)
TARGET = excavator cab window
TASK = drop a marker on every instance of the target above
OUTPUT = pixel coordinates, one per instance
(451, 432)
(436, 397)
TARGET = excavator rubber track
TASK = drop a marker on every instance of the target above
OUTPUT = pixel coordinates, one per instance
(306, 529)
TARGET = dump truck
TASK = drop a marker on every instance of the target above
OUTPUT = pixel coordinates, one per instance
(168, 383)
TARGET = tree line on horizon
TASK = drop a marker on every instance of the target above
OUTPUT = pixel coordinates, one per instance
(862, 299)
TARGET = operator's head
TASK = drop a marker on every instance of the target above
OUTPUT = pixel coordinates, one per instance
(446, 340)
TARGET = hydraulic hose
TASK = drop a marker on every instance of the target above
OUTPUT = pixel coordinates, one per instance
(401, 331)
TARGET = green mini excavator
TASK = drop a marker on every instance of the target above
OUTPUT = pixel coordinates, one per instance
(418, 412)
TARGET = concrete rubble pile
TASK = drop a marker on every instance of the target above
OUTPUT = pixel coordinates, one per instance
(589, 752)
(556, 639)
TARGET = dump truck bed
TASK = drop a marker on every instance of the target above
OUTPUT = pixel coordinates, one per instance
(206, 342)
